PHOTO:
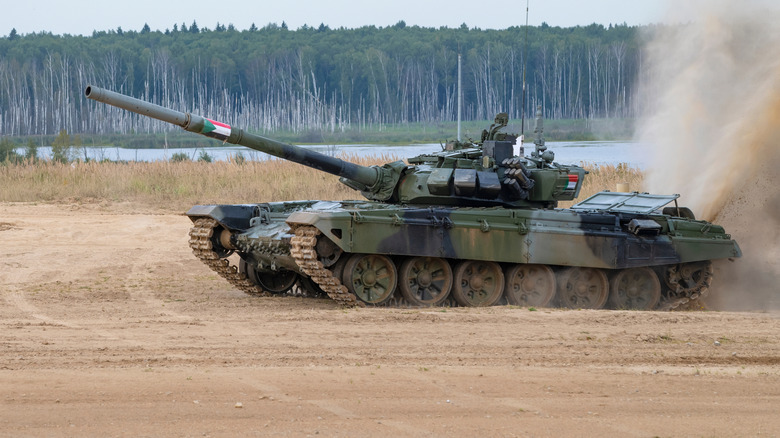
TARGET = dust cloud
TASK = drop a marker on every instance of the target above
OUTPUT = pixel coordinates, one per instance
(712, 94)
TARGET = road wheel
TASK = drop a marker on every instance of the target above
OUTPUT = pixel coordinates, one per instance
(371, 277)
(425, 281)
(634, 289)
(275, 282)
(478, 283)
(529, 285)
(582, 288)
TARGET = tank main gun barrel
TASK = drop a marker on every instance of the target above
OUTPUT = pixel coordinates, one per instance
(370, 177)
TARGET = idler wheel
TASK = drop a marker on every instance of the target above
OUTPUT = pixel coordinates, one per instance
(634, 289)
(425, 281)
(529, 285)
(371, 277)
(478, 283)
(582, 288)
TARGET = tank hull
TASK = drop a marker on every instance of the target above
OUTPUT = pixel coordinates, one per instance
(262, 234)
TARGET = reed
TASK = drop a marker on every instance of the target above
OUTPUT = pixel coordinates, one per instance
(176, 186)
(606, 177)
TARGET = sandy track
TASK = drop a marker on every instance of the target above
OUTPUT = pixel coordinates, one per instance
(111, 327)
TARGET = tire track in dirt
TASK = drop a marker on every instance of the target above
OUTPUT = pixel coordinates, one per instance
(124, 246)
(18, 300)
(138, 274)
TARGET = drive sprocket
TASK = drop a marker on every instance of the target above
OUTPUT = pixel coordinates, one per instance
(685, 283)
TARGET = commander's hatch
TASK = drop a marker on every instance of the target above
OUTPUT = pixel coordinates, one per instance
(617, 202)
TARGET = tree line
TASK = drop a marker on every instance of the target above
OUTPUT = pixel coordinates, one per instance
(317, 78)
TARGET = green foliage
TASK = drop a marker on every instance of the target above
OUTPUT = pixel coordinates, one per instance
(204, 156)
(31, 151)
(179, 157)
(60, 147)
(8, 151)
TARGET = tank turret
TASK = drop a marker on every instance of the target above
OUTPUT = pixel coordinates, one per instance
(483, 173)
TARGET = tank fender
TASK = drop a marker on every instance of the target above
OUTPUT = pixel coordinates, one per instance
(336, 227)
(232, 217)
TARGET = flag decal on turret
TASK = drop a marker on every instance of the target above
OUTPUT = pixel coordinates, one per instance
(214, 129)
(573, 179)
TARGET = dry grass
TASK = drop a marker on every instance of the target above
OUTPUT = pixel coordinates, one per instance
(606, 177)
(177, 186)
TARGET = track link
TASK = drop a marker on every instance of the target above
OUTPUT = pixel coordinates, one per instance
(305, 256)
(203, 247)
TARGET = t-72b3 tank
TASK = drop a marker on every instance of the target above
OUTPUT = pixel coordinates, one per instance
(466, 226)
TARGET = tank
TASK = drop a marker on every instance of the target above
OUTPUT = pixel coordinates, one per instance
(474, 224)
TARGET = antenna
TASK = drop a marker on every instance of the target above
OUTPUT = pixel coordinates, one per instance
(525, 64)
(459, 92)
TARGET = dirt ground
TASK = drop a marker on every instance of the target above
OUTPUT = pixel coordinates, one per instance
(109, 326)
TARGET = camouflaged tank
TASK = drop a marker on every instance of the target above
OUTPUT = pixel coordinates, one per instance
(473, 225)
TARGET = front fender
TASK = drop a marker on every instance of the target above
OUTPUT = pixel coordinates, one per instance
(232, 217)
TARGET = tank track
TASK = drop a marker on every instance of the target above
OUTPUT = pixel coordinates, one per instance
(305, 256)
(682, 298)
(203, 247)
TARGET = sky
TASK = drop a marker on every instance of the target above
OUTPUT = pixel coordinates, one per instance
(81, 17)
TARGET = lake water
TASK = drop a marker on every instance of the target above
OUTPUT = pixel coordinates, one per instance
(566, 152)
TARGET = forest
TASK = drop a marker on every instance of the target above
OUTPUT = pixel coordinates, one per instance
(318, 79)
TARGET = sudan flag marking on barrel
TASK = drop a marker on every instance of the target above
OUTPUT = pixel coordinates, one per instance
(214, 129)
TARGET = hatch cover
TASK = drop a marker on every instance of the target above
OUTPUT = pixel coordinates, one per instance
(617, 202)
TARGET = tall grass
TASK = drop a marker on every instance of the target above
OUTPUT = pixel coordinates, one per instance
(177, 186)
(606, 177)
